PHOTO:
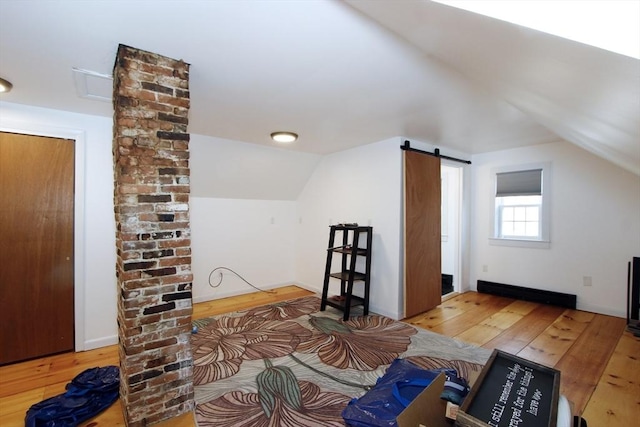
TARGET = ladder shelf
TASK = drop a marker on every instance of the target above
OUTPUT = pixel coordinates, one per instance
(349, 253)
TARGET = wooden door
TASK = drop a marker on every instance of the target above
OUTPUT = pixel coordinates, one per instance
(422, 236)
(36, 253)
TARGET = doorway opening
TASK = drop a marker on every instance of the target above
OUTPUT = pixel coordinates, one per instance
(451, 223)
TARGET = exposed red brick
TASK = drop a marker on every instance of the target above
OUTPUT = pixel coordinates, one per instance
(177, 243)
(170, 100)
(141, 284)
(165, 262)
(181, 198)
(182, 251)
(172, 225)
(129, 255)
(180, 145)
(129, 275)
(156, 106)
(153, 268)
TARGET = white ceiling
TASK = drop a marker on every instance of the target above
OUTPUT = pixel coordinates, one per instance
(339, 73)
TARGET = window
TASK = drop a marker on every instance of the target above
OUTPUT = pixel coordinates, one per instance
(521, 211)
(519, 217)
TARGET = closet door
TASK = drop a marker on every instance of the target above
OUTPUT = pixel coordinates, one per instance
(422, 234)
(36, 254)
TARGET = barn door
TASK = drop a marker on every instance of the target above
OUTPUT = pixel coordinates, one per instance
(422, 234)
(36, 254)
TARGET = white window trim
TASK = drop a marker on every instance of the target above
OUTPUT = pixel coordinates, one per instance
(545, 213)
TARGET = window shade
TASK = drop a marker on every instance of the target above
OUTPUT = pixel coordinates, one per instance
(519, 183)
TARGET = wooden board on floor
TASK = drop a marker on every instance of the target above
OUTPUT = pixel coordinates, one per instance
(550, 346)
(497, 323)
(240, 302)
(449, 309)
(583, 364)
(525, 330)
(616, 400)
(472, 317)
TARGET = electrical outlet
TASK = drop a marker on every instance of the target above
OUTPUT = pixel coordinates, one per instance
(485, 268)
(586, 280)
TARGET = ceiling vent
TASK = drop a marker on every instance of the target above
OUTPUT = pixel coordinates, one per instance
(93, 85)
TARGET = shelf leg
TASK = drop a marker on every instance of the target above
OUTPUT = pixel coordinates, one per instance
(367, 278)
(327, 271)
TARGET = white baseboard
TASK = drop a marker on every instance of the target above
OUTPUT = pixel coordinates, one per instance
(310, 288)
(382, 312)
(100, 342)
(236, 292)
(601, 310)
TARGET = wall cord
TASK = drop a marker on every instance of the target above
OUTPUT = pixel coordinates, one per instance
(241, 278)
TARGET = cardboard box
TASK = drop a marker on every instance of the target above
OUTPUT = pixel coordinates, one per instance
(427, 409)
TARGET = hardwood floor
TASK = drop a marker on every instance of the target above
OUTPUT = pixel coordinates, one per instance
(599, 361)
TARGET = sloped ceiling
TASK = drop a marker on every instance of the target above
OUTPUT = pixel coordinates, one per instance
(586, 95)
(340, 74)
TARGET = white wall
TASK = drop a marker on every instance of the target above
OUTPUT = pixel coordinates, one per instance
(255, 238)
(595, 227)
(226, 169)
(360, 185)
(94, 222)
(244, 214)
(450, 218)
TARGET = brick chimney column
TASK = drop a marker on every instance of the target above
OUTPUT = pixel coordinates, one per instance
(151, 198)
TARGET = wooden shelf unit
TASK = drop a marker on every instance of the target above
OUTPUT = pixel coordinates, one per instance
(349, 252)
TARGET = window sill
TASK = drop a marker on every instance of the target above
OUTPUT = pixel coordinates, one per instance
(535, 244)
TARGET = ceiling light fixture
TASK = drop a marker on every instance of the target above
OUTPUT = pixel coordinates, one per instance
(284, 137)
(5, 86)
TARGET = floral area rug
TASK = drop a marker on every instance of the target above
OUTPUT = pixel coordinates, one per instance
(289, 364)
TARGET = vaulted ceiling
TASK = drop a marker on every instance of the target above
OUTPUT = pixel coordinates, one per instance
(339, 73)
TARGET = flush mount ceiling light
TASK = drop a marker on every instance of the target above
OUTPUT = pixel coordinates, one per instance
(5, 86)
(284, 137)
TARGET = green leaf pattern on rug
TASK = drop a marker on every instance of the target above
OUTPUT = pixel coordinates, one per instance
(278, 382)
(363, 343)
(328, 325)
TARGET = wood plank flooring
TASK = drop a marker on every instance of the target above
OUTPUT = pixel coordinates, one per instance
(594, 353)
(600, 363)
